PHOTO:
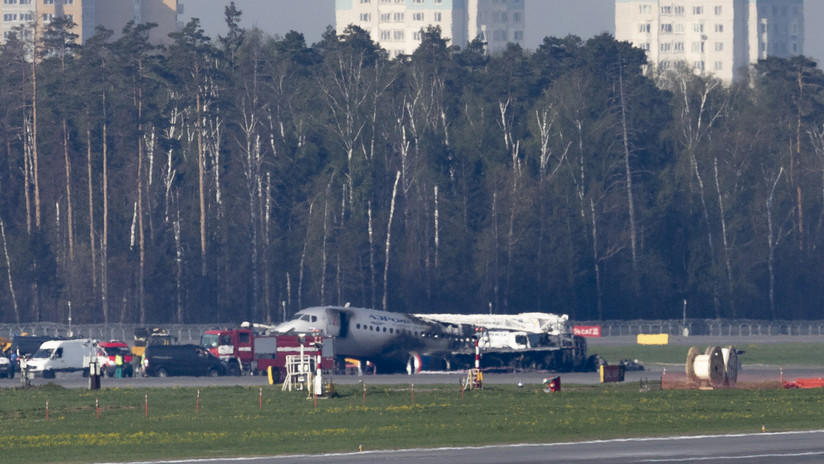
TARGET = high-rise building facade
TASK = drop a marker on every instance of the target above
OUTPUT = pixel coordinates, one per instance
(397, 24)
(721, 37)
(88, 14)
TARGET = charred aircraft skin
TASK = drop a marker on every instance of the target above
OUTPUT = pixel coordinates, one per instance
(397, 342)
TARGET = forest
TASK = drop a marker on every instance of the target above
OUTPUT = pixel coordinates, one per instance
(250, 176)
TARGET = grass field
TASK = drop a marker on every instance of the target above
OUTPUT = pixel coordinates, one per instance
(233, 421)
(802, 354)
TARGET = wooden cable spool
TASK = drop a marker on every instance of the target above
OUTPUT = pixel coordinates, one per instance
(708, 367)
(691, 355)
(731, 364)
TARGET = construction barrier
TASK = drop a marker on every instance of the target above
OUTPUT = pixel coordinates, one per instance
(653, 339)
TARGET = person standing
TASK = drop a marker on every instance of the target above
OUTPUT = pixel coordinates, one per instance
(118, 363)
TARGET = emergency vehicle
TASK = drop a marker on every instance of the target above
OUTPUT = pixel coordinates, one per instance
(248, 352)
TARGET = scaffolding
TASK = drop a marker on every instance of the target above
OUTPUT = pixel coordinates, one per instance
(299, 372)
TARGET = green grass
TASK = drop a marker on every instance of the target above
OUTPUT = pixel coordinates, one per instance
(779, 354)
(230, 423)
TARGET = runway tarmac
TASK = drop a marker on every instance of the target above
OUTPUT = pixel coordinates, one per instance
(757, 448)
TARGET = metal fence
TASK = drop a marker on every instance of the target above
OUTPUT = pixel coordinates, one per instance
(710, 327)
(190, 333)
(185, 333)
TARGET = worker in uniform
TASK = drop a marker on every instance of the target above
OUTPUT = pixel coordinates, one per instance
(118, 363)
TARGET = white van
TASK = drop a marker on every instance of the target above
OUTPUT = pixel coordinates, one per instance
(61, 356)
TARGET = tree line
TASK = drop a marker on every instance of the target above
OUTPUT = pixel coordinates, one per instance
(247, 177)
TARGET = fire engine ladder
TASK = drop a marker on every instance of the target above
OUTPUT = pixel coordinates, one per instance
(299, 372)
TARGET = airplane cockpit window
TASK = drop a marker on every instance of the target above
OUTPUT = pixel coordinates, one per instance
(314, 318)
(306, 318)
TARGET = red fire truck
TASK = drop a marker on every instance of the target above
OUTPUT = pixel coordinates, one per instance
(247, 352)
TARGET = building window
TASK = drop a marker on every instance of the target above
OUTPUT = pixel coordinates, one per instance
(416, 35)
(679, 47)
(645, 9)
(519, 36)
(386, 35)
(698, 47)
(719, 28)
(644, 28)
(678, 10)
(438, 17)
(516, 17)
(48, 2)
(666, 47)
(698, 10)
(697, 28)
(9, 2)
(366, 17)
(666, 28)
(9, 17)
(719, 65)
(679, 28)
(366, 1)
(698, 65)
(417, 16)
(386, 17)
(718, 10)
(397, 35)
(719, 46)
(644, 46)
(666, 10)
(398, 17)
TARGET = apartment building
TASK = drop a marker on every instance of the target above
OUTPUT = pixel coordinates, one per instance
(88, 14)
(397, 24)
(721, 37)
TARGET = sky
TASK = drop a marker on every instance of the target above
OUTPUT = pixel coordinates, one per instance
(584, 18)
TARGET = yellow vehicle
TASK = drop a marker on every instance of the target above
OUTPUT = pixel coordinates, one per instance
(155, 336)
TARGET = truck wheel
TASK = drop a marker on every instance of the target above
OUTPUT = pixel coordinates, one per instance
(234, 370)
(215, 373)
(162, 372)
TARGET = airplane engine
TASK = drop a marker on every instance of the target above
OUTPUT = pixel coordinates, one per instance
(418, 362)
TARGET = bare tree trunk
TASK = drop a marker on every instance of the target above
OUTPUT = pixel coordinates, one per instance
(27, 168)
(628, 172)
(772, 242)
(179, 265)
(8, 273)
(104, 244)
(724, 241)
(385, 304)
(324, 253)
(201, 176)
(596, 261)
(68, 168)
(437, 229)
(141, 300)
(372, 274)
(303, 256)
(90, 173)
(35, 163)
